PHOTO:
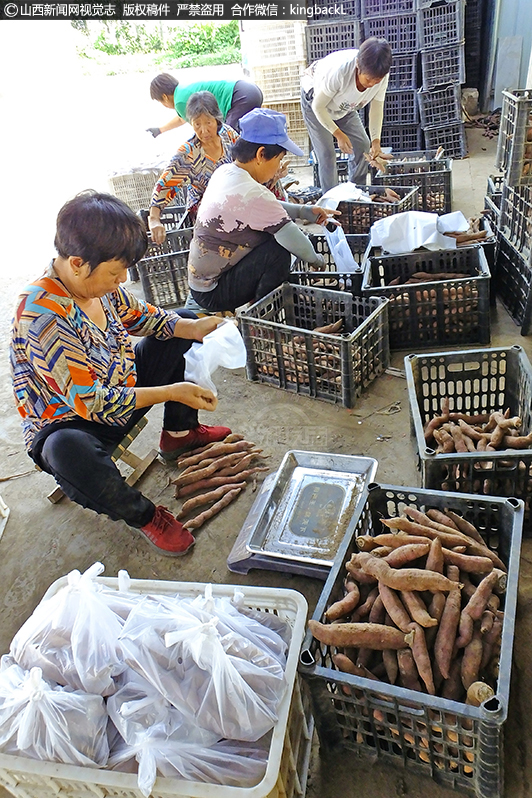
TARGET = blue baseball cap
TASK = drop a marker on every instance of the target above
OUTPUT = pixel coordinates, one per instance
(264, 126)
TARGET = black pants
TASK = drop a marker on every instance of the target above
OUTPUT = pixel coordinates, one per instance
(246, 96)
(265, 268)
(78, 453)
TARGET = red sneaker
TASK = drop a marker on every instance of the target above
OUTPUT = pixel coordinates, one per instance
(166, 534)
(170, 448)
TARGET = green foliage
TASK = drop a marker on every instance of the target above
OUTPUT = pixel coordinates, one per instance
(230, 55)
(188, 45)
(123, 38)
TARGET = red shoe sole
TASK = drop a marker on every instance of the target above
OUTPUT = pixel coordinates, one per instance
(165, 552)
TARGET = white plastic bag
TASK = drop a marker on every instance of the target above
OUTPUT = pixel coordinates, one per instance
(342, 255)
(72, 636)
(233, 764)
(407, 231)
(223, 347)
(48, 722)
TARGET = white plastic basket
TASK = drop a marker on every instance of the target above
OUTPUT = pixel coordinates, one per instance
(135, 188)
(289, 752)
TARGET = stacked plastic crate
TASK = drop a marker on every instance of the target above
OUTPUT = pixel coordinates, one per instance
(273, 56)
(342, 33)
(396, 21)
(441, 41)
(473, 41)
(513, 263)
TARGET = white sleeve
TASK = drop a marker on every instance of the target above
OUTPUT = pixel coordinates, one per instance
(376, 116)
(319, 106)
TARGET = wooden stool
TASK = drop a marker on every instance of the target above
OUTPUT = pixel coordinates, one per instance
(138, 464)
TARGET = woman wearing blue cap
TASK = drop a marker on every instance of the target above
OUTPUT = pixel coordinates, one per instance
(244, 237)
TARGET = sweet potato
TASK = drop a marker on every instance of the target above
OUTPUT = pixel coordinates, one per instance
(452, 687)
(416, 641)
(430, 531)
(344, 606)
(405, 578)
(417, 609)
(437, 421)
(408, 673)
(358, 635)
(344, 664)
(478, 601)
(216, 482)
(486, 621)
(195, 523)
(406, 553)
(441, 518)
(364, 609)
(217, 450)
(206, 498)
(472, 659)
(465, 526)
(394, 607)
(445, 638)
(435, 557)
(377, 613)
(469, 563)
(478, 692)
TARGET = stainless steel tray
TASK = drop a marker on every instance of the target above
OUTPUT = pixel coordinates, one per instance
(304, 511)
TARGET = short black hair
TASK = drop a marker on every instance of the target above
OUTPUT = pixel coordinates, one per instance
(244, 151)
(203, 102)
(374, 57)
(99, 227)
(163, 84)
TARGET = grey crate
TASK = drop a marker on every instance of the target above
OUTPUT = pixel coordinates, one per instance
(437, 313)
(440, 106)
(516, 218)
(357, 217)
(403, 72)
(163, 270)
(379, 8)
(513, 277)
(441, 25)
(443, 65)
(402, 137)
(451, 137)
(342, 166)
(326, 37)
(403, 727)
(331, 278)
(351, 9)
(285, 351)
(514, 144)
(475, 381)
(433, 178)
(400, 30)
(401, 107)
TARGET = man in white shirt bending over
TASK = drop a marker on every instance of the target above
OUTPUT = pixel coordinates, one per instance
(333, 89)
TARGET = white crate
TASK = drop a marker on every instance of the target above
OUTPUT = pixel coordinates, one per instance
(135, 188)
(265, 43)
(278, 81)
(289, 752)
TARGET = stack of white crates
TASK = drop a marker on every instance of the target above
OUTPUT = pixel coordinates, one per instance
(274, 57)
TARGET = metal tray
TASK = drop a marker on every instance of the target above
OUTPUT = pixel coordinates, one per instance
(303, 513)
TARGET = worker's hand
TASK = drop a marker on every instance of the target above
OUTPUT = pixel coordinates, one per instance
(196, 329)
(157, 230)
(324, 215)
(343, 142)
(375, 151)
(155, 131)
(319, 264)
(391, 195)
(192, 395)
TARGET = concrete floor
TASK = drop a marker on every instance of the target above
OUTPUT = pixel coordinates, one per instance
(42, 541)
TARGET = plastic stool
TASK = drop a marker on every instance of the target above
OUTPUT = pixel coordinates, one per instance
(138, 464)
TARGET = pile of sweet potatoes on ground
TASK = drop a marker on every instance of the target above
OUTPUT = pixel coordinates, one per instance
(485, 432)
(422, 606)
(213, 476)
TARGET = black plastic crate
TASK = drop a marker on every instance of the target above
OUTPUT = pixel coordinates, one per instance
(376, 8)
(433, 178)
(399, 30)
(302, 196)
(403, 72)
(284, 351)
(357, 216)
(492, 212)
(494, 188)
(402, 137)
(326, 37)
(475, 381)
(457, 745)
(163, 270)
(330, 278)
(351, 9)
(514, 144)
(401, 107)
(441, 25)
(342, 167)
(513, 275)
(440, 106)
(451, 137)
(437, 313)
(516, 218)
(443, 65)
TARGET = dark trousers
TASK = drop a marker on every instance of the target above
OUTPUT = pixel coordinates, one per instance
(246, 96)
(78, 453)
(265, 268)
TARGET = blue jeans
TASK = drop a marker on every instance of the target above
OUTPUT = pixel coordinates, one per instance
(323, 146)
